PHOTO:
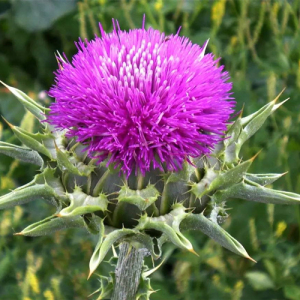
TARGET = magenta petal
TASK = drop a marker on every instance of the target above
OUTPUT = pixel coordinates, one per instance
(142, 99)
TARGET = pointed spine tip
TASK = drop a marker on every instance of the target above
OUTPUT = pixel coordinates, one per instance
(193, 251)
(90, 274)
(250, 258)
(241, 112)
(18, 233)
(276, 106)
(9, 124)
(253, 157)
(278, 96)
(7, 86)
(55, 145)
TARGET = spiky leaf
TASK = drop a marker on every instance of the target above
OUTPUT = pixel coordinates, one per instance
(257, 194)
(27, 194)
(140, 198)
(215, 232)
(31, 105)
(103, 246)
(21, 153)
(52, 224)
(30, 140)
(81, 203)
(262, 179)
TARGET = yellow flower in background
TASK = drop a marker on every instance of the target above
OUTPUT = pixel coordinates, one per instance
(158, 5)
(217, 12)
(275, 8)
(5, 224)
(233, 40)
(239, 285)
(281, 227)
(6, 183)
(34, 282)
(49, 295)
(238, 290)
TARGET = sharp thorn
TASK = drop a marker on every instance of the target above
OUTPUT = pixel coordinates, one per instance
(9, 124)
(251, 259)
(90, 274)
(55, 145)
(18, 233)
(241, 111)
(193, 251)
(279, 104)
(275, 100)
(253, 158)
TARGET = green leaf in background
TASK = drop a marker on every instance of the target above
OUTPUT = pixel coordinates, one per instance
(260, 281)
(292, 292)
(36, 15)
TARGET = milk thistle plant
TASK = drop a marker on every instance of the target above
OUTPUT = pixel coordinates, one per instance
(139, 147)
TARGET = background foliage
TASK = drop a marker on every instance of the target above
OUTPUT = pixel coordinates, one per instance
(259, 45)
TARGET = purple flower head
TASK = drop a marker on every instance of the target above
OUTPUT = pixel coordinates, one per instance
(141, 99)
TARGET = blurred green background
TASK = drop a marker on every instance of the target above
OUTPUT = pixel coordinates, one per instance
(259, 45)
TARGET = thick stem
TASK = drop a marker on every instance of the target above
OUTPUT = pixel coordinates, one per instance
(128, 272)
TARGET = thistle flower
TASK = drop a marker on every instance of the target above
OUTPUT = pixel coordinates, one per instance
(158, 105)
(142, 99)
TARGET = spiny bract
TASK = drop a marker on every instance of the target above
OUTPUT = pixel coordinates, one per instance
(153, 205)
(138, 207)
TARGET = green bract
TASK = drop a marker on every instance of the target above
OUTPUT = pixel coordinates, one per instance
(145, 211)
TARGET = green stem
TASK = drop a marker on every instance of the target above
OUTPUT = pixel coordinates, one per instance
(128, 272)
